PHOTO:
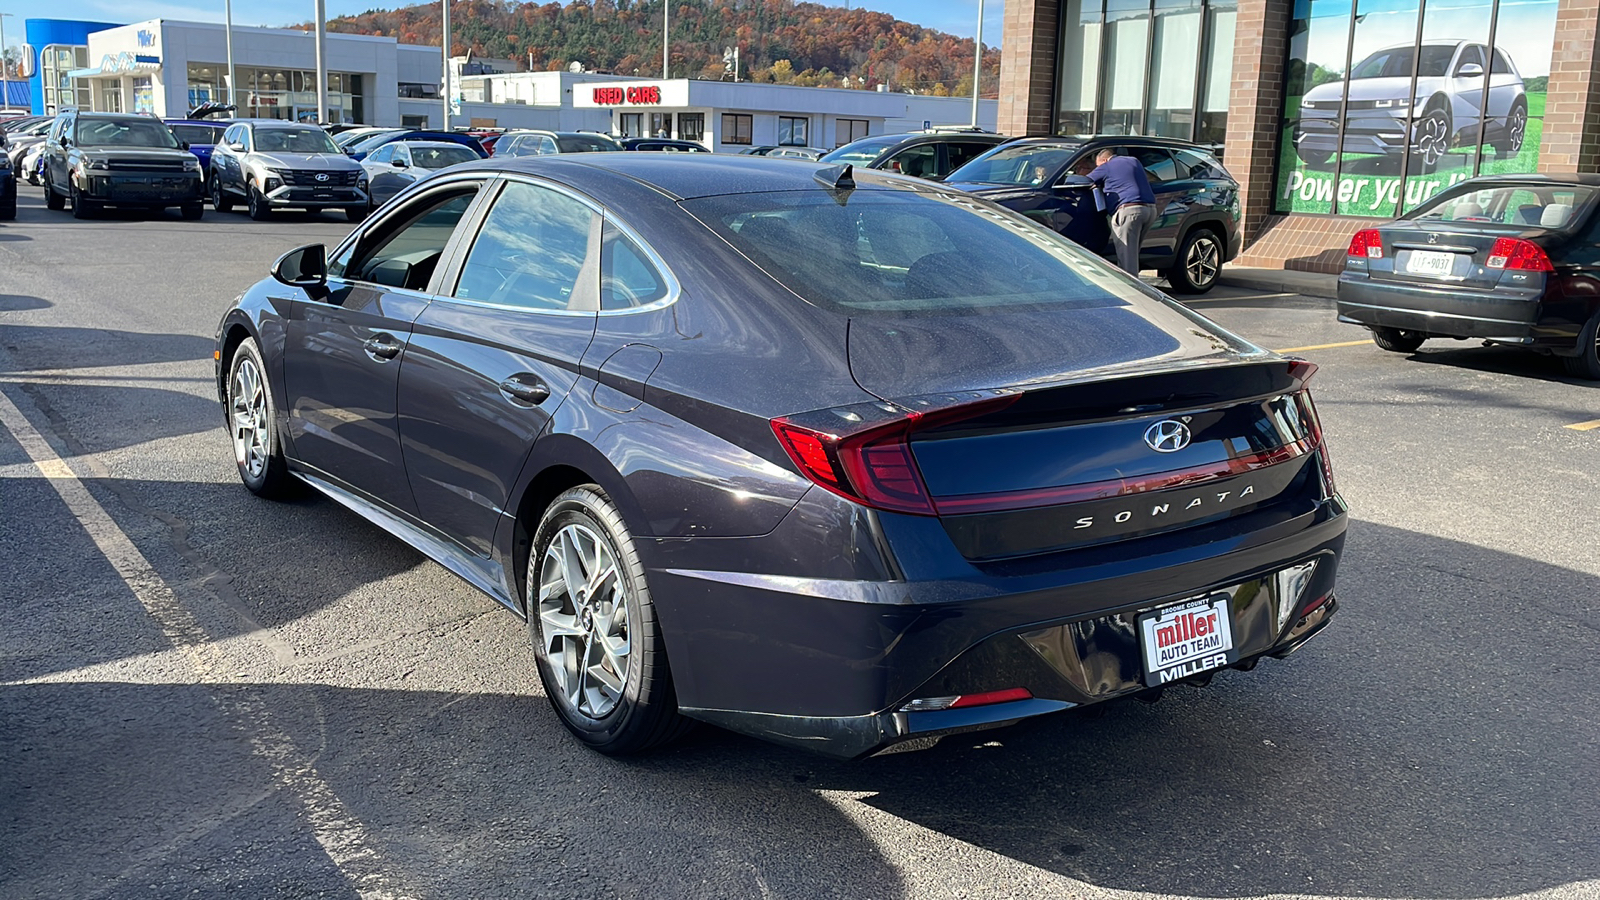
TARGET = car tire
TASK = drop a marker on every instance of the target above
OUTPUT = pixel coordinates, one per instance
(53, 200)
(1586, 364)
(1398, 340)
(1198, 264)
(355, 213)
(253, 425)
(8, 204)
(614, 706)
(192, 211)
(256, 204)
(219, 199)
(81, 208)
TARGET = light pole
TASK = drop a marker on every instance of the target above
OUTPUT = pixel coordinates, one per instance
(233, 91)
(5, 79)
(445, 48)
(322, 61)
(977, 66)
(666, 39)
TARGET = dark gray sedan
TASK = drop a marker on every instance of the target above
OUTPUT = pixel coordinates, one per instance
(840, 459)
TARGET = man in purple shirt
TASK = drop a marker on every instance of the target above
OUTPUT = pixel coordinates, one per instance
(1130, 202)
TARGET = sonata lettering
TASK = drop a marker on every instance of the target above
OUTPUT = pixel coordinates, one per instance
(615, 96)
(1161, 509)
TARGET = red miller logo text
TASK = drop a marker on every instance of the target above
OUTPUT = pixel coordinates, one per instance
(616, 96)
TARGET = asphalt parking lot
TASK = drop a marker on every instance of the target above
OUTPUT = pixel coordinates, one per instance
(203, 693)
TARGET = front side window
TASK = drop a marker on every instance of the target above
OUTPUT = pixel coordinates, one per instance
(736, 128)
(1027, 165)
(921, 161)
(403, 250)
(530, 252)
(440, 157)
(383, 154)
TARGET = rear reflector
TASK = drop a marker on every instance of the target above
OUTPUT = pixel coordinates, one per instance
(863, 452)
(965, 701)
(1366, 244)
(1518, 254)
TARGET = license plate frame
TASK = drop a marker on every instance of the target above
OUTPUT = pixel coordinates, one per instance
(1185, 638)
(1430, 262)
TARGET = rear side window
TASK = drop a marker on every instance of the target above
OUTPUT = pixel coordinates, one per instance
(1157, 163)
(1195, 164)
(530, 251)
(908, 252)
(628, 279)
(962, 152)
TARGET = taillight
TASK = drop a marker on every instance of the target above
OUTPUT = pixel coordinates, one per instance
(1516, 253)
(1308, 411)
(1366, 244)
(863, 452)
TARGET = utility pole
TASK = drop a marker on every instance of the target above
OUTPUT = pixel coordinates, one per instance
(322, 61)
(666, 40)
(445, 49)
(977, 66)
(5, 77)
(233, 81)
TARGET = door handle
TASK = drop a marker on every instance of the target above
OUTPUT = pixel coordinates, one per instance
(382, 347)
(525, 388)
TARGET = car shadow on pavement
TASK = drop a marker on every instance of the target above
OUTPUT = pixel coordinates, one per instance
(54, 347)
(1472, 356)
(22, 303)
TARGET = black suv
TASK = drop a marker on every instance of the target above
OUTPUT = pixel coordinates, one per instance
(115, 159)
(1196, 228)
(925, 154)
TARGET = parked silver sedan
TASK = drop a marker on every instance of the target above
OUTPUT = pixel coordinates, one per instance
(394, 167)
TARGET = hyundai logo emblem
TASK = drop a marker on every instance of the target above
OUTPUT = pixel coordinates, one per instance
(322, 176)
(1167, 436)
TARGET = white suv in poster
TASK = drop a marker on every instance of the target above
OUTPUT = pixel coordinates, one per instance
(1442, 113)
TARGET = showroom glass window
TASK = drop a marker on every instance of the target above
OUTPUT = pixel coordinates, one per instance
(1388, 102)
(55, 61)
(1155, 67)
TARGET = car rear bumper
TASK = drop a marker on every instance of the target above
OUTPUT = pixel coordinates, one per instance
(1504, 315)
(831, 664)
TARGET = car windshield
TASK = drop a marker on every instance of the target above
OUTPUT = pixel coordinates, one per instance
(1023, 165)
(124, 133)
(294, 140)
(1396, 63)
(905, 252)
(585, 143)
(1548, 206)
(197, 134)
(861, 153)
(440, 157)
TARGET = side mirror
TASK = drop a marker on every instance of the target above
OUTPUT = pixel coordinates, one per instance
(303, 267)
(1469, 70)
(401, 164)
(237, 146)
(1075, 181)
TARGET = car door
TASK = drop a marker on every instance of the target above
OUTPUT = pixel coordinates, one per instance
(55, 155)
(494, 356)
(959, 153)
(345, 347)
(1173, 198)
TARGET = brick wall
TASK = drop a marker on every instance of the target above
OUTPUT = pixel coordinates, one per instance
(1255, 106)
(1571, 141)
(1027, 66)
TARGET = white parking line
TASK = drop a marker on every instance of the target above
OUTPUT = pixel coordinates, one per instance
(339, 832)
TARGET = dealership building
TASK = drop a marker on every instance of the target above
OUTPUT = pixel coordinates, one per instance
(1330, 113)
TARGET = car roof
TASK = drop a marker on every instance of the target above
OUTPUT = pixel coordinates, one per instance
(283, 123)
(688, 175)
(219, 123)
(1084, 140)
(1536, 178)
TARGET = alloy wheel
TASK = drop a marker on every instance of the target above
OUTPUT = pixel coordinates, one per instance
(248, 401)
(584, 620)
(1518, 129)
(1203, 262)
(1433, 137)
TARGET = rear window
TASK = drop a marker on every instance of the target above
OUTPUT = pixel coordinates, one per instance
(583, 143)
(197, 134)
(1523, 206)
(903, 252)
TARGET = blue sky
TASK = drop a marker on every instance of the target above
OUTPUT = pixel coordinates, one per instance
(955, 16)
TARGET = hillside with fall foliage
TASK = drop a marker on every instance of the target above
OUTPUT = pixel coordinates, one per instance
(779, 41)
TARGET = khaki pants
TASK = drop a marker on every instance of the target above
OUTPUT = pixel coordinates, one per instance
(1128, 225)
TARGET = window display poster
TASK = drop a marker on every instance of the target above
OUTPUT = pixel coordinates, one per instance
(1388, 102)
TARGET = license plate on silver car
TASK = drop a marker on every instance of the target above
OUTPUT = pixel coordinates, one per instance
(1430, 262)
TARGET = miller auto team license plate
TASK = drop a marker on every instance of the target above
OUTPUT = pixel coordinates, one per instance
(1186, 638)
